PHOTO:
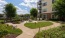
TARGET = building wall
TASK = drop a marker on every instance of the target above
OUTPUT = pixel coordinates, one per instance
(48, 6)
(48, 16)
(47, 9)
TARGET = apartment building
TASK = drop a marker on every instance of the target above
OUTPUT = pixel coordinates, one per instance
(45, 9)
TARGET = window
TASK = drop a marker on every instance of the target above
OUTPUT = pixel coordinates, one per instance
(45, 10)
(45, 3)
(45, 16)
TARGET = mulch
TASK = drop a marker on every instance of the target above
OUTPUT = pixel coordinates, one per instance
(11, 36)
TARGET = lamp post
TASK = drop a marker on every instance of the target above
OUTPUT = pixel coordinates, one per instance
(39, 32)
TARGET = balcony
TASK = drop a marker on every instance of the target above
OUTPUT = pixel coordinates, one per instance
(39, 7)
(40, 11)
(40, 0)
(39, 3)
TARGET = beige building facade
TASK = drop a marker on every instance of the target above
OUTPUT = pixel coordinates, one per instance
(46, 7)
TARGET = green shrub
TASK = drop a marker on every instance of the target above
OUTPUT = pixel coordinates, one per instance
(52, 33)
(2, 21)
(6, 29)
(54, 19)
(32, 17)
(3, 33)
(17, 18)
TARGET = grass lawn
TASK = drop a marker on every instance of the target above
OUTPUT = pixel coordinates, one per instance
(37, 25)
(1, 20)
(4, 30)
(58, 32)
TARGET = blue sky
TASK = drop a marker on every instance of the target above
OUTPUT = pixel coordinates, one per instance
(23, 6)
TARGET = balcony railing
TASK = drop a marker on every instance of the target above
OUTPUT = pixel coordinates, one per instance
(39, 3)
(39, 7)
(40, 0)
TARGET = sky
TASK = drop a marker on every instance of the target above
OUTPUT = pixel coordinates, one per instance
(23, 6)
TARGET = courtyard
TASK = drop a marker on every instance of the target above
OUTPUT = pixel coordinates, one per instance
(30, 33)
(32, 18)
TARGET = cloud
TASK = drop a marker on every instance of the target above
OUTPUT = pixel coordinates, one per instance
(26, 8)
(21, 11)
(2, 3)
(29, 3)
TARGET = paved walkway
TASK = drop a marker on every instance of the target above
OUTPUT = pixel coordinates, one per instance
(30, 33)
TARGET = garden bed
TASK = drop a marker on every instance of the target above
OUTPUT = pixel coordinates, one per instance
(6, 29)
(58, 32)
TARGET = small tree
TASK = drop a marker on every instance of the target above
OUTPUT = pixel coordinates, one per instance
(10, 11)
(59, 6)
(33, 12)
